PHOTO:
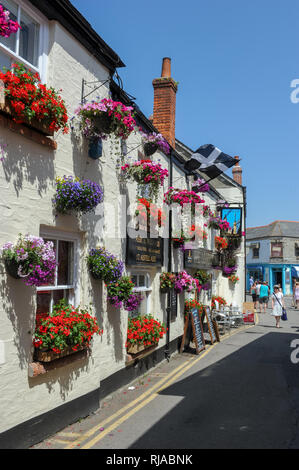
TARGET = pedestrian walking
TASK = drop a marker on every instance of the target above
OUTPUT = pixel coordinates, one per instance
(296, 295)
(294, 288)
(257, 289)
(264, 296)
(253, 295)
(267, 284)
(277, 305)
(251, 282)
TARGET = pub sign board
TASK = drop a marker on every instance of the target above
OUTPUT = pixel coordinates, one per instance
(198, 258)
(233, 215)
(144, 251)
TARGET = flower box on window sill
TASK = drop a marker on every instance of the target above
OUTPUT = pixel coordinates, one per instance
(33, 124)
(138, 348)
(49, 356)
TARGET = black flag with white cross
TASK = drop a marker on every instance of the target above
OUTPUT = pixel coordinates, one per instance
(210, 160)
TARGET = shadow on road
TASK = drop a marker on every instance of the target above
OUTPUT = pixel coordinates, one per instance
(248, 399)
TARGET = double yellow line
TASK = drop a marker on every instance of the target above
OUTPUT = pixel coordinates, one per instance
(137, 404)
(145, 398)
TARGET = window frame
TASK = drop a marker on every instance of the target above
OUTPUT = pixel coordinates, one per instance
(280, 244)
(146, 288)
(41, 68)
(74, 288)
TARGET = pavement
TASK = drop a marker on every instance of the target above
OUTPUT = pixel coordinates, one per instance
(240, 393)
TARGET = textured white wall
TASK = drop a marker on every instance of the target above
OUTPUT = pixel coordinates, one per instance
(27, 183)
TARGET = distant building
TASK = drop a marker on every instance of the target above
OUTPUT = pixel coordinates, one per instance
(273, 254)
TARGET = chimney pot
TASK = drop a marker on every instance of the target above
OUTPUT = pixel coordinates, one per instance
(166, 67)
(237, 171)
(165, 90)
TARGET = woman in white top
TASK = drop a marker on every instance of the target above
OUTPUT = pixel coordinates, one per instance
(296, 295)
(277, 305)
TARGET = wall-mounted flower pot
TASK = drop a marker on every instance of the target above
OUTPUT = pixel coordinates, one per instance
(49, 356)
(12, 267)
(149, 149)
(95, 149)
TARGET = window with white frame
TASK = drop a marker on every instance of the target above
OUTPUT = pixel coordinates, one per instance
(142, 285)
(65, 284)
(29, 44)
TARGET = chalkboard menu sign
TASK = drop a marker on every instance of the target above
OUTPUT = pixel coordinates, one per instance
(211, 326)
(196, 331)
(145, 251)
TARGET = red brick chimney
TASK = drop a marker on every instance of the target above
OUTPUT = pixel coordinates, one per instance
(237, 171)
(165, 89)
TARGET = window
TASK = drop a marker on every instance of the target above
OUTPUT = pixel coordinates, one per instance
(276, 250)
(65, 283)
(255, 252)
(142, 285)
(297, 249)
(28, 44)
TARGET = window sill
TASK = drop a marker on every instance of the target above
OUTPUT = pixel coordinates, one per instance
(26, 131)
(36, 369)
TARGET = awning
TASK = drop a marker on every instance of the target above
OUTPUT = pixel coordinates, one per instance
(295, 271)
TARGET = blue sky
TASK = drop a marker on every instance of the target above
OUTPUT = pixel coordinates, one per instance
(234, 62)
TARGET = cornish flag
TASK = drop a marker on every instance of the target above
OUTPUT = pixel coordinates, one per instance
(210, 160)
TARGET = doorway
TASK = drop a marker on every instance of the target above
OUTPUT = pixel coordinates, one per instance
(277, 277)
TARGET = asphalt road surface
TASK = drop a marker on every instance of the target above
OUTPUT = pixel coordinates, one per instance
(241, 393)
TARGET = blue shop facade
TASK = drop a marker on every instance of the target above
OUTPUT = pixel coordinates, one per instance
(272, 254)
(283, 274)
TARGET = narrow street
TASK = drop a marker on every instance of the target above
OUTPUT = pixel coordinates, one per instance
(240, 393)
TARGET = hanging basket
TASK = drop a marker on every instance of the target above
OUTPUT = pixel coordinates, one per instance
(149, 148)
(217, 260)
(12, 267)
(178, 243)
(96, 277)
(164, 290)
(104, 123)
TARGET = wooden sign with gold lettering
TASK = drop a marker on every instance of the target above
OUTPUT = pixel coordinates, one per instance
(143, 250)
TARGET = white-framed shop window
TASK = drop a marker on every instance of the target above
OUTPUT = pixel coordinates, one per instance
(142, 283)
(66, 282)
(30, 44)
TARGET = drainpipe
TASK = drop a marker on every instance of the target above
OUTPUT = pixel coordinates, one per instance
(168, 310)
(245, 237)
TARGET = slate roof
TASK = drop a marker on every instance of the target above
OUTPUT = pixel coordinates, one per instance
(279, 228)
(66, 14)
